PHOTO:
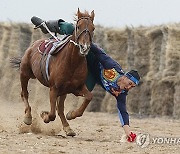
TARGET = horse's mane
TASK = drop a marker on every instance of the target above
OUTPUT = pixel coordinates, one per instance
(84, 14)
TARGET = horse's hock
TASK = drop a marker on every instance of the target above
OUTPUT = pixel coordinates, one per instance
(153, 51)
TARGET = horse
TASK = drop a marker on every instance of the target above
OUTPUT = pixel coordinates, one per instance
(67, 73)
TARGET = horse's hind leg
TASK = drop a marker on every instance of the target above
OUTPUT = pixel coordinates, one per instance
(24, 95)
(60, 110)
(79, 112)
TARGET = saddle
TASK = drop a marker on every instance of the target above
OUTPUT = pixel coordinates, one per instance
(53, 46)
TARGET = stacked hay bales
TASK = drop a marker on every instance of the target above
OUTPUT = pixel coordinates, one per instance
(171, 73)
(153, 51)
(154, 76)
(164, 69)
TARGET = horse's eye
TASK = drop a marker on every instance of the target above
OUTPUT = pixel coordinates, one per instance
(78, 27)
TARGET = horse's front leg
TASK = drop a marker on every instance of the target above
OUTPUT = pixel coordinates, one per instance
(50, 116)
(60, 110)
(79, 112)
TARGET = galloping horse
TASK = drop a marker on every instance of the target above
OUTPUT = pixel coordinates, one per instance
(67, 73)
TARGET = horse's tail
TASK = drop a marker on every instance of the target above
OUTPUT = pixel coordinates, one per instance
(15, 62)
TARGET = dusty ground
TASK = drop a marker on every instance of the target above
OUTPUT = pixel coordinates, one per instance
(98, 133)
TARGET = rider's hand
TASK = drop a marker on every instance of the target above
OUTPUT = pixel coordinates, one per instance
(131, 137)
(115, 93)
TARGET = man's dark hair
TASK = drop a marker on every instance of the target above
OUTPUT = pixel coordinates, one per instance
(135, 74)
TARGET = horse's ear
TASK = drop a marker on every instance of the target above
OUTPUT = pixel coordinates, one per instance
(92, 15)
(79, 14)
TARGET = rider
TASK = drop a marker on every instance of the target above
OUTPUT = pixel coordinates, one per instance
(103, 70)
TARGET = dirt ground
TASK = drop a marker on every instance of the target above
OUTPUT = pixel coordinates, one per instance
(99, 133)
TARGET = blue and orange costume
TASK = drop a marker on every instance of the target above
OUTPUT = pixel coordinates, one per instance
(104, 71)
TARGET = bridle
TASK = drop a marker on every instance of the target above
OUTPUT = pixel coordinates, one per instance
(86, 31)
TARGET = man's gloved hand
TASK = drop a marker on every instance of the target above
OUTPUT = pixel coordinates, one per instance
(131, 137)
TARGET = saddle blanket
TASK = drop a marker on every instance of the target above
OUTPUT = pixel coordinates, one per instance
(49, 48)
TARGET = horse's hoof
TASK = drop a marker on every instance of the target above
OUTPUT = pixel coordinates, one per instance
(69, 115)
(45, 117)
(69, 131)
(27, 120)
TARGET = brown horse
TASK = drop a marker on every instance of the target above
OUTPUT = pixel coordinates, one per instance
(67, 73)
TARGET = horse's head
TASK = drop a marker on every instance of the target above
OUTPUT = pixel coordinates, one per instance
(84, 31)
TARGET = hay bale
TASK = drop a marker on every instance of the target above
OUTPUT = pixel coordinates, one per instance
(155, 40)
(172, 65)
(116, 45)
(162, 97)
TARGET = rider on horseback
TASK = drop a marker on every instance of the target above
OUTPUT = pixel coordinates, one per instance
(102, 70)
